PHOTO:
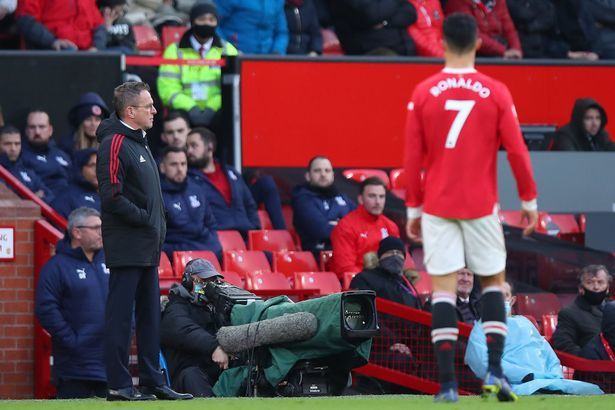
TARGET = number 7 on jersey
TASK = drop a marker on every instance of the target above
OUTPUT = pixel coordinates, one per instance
(463, 108)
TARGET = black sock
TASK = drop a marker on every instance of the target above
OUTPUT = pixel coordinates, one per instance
(444, 335)
(494, 326)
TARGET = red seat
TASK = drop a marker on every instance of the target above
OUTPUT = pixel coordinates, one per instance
(534, 322)
(181, 258)
(271, 240)
(513, 218)
(361, 175)
(172, 34)
(266, 281)
(165, 270)
(423, 286)
(567, 227)
(398, 178)
(264, 219)
(289, 262)
(243, 262)
(146, 39)
(234, 278)
(325, 260)
(231, 241)
(325, 282)
(400, 193)
(549, 323)
(347, 278)
(537, 304)
(330, 43)
(287, 213)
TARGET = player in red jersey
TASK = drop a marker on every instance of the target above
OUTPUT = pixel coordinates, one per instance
(457, 120)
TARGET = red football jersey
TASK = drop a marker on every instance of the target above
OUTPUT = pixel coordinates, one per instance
(457, 120)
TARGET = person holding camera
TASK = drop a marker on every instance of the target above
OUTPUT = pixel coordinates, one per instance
(188, 333)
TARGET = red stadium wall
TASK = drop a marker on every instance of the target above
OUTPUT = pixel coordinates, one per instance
(354, 111)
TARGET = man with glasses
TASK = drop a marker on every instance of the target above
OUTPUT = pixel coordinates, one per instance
(70, 304)
(133, 230)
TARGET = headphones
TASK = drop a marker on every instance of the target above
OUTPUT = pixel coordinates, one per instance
(187, 281)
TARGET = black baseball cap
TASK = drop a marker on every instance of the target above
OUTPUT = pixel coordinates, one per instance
(201, 268)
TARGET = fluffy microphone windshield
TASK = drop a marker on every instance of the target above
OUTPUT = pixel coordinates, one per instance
(294, 327)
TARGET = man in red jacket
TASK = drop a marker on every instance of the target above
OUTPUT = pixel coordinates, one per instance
(362, 230)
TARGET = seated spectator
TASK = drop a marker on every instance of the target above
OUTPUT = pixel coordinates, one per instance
(83, 190)
(387, 279)
(579, 322)
(188, 333)
(70, 304)
(190, 222)
(254, 26)
(304, 35)
(602, 346)
(603, 28)
(227, 193)
(265, 193)
(529, 363)
(362, 230)
(41, 154)
(175, 129)
(196, 89)
(374, 26)
(496, 29)
(118, 34)
(318, 206)
(10, 158)
(467, 305)
(426, 32)
(84, 118)
(586, 129)
(60, 24)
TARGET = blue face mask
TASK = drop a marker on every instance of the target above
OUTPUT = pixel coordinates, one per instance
(508, 308)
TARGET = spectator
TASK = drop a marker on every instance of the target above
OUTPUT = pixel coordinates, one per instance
(70, 304)
(254, 26)
(10, 158)
(266, 194)
(529, 363)
(229, 197)
(362, 230)
(303, 28)
(84, 117)
(426, 32)
(573, 20)
(175, 129)
(196, 89)
(603, 28)
(579, 322)
(190, 222)
(374, 26)
(467, 305)
(496, 29)
(387, 279)
(585, 131)
(83, 191)
(60, 24)
(602, 346)
(188, 333)
(118, 34)
(41, 154)
(318, 206)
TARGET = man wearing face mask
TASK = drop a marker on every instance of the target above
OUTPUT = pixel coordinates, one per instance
(196, 88)
(387, 279)
(580, 321)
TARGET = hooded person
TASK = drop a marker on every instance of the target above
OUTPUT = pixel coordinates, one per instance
(83, 190)
(84, 118)
(586, 129)
(602, 346)
(195, 89)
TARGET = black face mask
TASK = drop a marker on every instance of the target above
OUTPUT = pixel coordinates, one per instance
(204, 30)
(594, 298)
(392, 264)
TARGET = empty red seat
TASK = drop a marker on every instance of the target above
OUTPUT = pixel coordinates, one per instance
(165, 270)
(271, 240)
(287, 213)
(538, 304)
(264, 219)
(549, 323)
(325, 282)
(231, 241)
(398, 180)
(234, 278)
(347, 278)
(361, 175)
(289, 262)
(325, 260)
(172, 34)
(266, 281)
(244, 262)
(181, 258)
(146, 39)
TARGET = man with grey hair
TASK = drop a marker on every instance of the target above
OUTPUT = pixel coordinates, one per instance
(70, 304)
(133, 230)
(580, 321)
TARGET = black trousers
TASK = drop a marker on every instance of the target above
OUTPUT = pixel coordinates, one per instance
(80, 389)
(195, 381)
(129, 287)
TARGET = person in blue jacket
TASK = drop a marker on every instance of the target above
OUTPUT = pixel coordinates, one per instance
(254, 26)
(41, 154)
(70, 304)
(191, 224)
(318, 206)
(229, 196)
(83, 191)
(529, 362)
(84, 117)
(10, 158)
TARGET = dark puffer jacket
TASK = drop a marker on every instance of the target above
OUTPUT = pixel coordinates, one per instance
(595, 349)
(303, 29)
(577, 323)
(573, 137)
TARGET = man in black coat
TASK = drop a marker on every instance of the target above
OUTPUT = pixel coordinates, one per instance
(467, 305)
(188, 331)
(602, 346)
(585, 131)
(133, 228)
(579, 322)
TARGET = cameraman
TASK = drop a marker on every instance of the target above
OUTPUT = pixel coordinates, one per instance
(188, 331)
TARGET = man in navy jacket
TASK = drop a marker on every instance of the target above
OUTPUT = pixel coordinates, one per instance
(190, 222)
(83, 191)
(70, 304)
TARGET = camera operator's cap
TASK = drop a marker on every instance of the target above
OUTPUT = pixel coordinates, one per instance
(391, 243)
(201, 268)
